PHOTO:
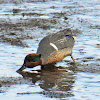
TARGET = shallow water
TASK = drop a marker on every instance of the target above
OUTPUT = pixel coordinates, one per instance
(23, 24)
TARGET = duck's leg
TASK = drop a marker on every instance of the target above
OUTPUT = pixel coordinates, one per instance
(72, 58)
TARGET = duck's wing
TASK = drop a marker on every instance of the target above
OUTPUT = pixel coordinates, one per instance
(62, 41)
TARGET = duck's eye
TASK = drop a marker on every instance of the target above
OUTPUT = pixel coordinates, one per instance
(31, 60)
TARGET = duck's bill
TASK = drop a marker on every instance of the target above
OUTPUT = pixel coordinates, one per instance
(22, 68)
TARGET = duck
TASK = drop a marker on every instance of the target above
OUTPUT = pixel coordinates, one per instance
(52, 49)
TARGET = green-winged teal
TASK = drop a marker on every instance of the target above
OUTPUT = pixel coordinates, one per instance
(52, 48)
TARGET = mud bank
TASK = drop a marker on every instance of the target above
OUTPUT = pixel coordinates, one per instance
(18, 22)
(15, 33)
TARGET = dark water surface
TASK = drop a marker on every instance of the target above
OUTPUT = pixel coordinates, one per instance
(23, 24)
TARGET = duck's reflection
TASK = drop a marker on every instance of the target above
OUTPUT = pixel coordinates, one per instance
(55, 81)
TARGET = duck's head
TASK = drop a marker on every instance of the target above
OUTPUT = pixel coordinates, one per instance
(31, 60)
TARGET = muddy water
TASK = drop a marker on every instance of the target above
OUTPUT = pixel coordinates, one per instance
(23, 24)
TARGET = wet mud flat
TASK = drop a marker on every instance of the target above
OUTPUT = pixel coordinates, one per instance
(23, 24)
